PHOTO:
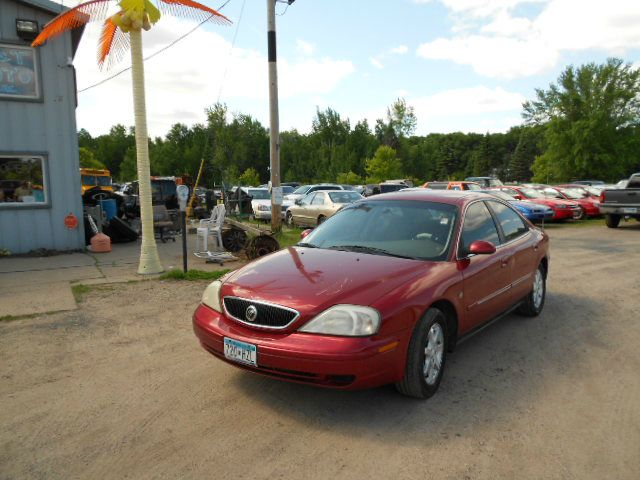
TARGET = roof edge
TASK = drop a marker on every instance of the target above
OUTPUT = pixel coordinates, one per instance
(46, 5)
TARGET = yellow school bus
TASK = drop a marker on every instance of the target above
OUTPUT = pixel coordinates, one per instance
(95, 177)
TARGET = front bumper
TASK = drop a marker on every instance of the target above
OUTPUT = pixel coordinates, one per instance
(334, 362)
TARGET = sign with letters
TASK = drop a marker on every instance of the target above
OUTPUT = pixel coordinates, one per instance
(19, 78)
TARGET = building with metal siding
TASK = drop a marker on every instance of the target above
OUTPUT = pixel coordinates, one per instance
(38, 135)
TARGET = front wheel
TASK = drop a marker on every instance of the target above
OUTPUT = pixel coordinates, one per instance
(289, 219)
(321, 219)
(426, 356)
(612, 221)
(533, 304)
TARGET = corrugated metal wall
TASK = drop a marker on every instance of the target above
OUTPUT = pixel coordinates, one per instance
(47, 127)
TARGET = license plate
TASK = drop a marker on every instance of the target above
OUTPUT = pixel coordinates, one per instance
(240, 351)
(629, 210)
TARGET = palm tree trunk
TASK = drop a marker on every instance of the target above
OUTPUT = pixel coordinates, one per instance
(149, 259)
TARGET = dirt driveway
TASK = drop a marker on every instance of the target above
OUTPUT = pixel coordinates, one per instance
(121, 389)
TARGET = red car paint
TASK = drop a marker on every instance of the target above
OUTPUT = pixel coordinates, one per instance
(562, 209)
(589, 204)
(473, 290)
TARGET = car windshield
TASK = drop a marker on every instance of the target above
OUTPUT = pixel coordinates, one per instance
(286, 189)
(302, 190)
(531, 193)
(407, 229)
(344, 197)
(574, 194)
(473, 186)
(104, 181)
(494, 182)
(259, 194)
(348, 187)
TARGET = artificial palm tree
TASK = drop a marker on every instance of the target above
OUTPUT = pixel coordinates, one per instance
(134, 15)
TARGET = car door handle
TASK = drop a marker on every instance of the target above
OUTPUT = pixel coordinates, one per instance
(504, 263)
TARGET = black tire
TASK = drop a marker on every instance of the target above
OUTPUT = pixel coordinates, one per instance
(321, 219)
(234, 240)
(289, 219)
(531, 307)
(414, 383)
(583, 214)
(612, 221)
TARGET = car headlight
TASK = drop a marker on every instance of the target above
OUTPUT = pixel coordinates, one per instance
(345, 320)
(562, 206)
(264, 208)
(211, 296)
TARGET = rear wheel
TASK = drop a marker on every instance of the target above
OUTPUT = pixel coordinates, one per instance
(426, 356)
(289, 219)
(321, 219)
(533, 304)
(612, 221)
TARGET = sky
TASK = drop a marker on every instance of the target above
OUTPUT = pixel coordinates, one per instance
(463, 65)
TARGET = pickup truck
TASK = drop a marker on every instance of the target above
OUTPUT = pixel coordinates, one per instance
(617, 204)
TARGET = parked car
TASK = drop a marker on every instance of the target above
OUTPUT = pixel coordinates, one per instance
(590, 205)
(485, 182)
(617, 204)
(316, 207)
(587, 189)
(588, 182)
(379, 293)
(452, 186)
(562, 209)
(306, 189)
(163, 192)
(531, 211)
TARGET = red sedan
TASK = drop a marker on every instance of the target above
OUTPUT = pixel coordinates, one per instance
(590, 205)
(379, 293)
(562, 209)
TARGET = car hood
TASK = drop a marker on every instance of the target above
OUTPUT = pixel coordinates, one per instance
(529, 206)
(310, 280)
(553, 202)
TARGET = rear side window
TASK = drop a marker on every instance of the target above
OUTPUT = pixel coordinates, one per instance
(438, 186)
(318, 199)
(510, 222)
(478, 225)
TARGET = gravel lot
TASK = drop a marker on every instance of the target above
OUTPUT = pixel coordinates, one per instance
(122, 389)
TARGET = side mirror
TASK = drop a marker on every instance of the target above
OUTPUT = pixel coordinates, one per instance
(309, 230)
(298, 201)
(482, 247)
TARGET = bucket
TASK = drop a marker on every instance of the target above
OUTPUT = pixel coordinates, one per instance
(109, 208)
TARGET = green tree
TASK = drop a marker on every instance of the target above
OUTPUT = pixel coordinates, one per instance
(385, 165)
(88, 159)
(349, 178)
(250, 178)
(592, 116)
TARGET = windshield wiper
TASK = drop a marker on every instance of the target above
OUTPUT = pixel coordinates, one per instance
(372, 250)
(307, 245)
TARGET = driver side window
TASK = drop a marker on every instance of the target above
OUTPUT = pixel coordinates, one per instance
(307, 200)
(478, 225)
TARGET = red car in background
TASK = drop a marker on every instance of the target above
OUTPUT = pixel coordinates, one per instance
(379, 292)
(590, 205)
(562, 209)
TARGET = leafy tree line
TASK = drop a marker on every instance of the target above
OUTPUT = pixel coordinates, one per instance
(585, 125)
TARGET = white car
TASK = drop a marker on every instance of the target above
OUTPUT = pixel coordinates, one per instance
(261, 203)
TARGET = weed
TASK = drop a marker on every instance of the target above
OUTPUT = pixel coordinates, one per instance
(191, 275)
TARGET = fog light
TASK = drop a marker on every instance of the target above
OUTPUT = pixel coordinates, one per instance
(26, 29)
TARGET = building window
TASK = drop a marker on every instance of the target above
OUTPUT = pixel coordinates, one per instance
(23, 181)
(19, 77)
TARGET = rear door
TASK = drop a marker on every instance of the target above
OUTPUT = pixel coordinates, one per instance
(518, 249)
(486, 278)
(301, 212)
(316, 207)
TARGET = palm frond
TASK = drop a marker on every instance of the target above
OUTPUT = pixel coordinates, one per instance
(113, 44)
(94, 10)
(192, 10)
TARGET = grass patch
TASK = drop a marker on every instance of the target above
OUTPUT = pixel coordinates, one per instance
(79, 291)
(191, 275)
(288, 236)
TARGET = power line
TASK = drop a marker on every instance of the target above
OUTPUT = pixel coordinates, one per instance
(233, 44)
(158, 52)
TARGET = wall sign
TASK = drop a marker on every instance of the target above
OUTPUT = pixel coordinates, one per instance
(71, 221)
(19, 78)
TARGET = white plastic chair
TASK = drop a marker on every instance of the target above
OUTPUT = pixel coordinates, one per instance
(213, 226)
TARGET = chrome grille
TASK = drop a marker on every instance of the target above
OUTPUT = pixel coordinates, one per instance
(268, 315)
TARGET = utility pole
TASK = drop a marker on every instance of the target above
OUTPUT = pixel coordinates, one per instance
(274, 127)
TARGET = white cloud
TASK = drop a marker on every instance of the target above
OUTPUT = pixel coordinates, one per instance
(474, 109)
(376, 63)
(181, 82)
(399, 50)
(305, 48)
(501, 57)
(487, 37)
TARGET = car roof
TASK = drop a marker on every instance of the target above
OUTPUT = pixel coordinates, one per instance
(452, 197)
